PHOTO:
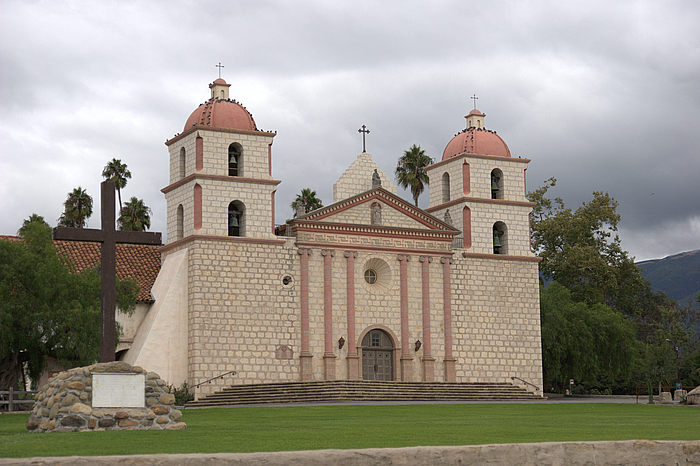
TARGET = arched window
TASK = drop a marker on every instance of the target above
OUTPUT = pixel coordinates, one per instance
(183, 161)
(179, 223)
(496, 184)
(222, 94)
(445, 187)
(235, 159)
(500, 238)
(236, 219)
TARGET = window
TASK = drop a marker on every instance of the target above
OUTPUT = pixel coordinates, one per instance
(500, 238)
(236, 219)
(370, 276)
(183, 161)
(235, 159)
(179, 223)
(445, 187)
(496, 184)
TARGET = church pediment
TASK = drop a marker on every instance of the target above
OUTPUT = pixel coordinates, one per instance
(377, 210)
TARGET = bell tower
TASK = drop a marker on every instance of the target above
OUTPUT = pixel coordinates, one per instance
(480, 189)
(221, 181)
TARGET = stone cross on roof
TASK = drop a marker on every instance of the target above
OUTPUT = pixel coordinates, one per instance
(219, 66)
(109, 237)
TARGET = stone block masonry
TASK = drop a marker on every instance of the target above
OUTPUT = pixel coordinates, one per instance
(65, 404)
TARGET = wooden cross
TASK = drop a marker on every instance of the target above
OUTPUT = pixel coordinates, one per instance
(364, 131)
(219, 66)
(474, 98)
(109, 237)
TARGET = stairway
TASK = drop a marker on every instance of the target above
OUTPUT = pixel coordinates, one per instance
(361, 390)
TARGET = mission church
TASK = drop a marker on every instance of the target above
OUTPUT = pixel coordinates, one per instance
(369, 287)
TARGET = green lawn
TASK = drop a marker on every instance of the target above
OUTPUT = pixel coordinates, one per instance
(306, 428)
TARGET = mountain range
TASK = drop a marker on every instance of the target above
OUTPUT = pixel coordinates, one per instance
(678, 276)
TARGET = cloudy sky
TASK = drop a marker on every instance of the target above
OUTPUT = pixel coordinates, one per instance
(602, 95)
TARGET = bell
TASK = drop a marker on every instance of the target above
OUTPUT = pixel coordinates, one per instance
(494, 184)
(497, 240)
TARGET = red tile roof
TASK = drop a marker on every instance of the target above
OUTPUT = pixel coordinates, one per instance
(139, 262)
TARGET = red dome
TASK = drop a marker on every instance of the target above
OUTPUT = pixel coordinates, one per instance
(476, 141)
(220, 113)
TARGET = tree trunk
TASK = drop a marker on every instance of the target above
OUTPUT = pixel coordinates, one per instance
(9, 373)
(119, 195)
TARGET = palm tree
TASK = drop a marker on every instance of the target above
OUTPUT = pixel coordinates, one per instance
(116, 171)
(410, 171)
(135, 216)
(34, 218)
(307, 200)
(76, 209)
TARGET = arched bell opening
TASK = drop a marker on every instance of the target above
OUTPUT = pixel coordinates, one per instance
(235, 159)
(496, 184)
(236, 219)
(500, 238)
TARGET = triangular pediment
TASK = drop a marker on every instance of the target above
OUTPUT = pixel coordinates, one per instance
(394, 213)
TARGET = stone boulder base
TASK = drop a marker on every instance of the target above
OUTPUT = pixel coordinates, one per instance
(693, 397)
(64, 404)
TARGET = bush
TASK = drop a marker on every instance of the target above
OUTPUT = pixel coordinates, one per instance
(182, 394)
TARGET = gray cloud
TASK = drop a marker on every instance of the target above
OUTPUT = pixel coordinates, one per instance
(602, 95)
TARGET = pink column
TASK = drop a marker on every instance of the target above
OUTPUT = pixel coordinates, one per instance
(450, 375)
(352, 357)
(406, 358)
(197, 207)
(328, 354)
(428, 359)
(273, 211)
(305, 365)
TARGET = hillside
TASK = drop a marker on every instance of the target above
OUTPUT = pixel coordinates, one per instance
(678, 276)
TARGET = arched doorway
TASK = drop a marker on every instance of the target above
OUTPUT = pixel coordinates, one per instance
(377, 356)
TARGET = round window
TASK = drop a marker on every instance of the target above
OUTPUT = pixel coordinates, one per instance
(286, 280)
(370, 276)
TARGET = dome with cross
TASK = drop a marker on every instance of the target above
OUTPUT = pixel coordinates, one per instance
(476, 139)
(221, 112)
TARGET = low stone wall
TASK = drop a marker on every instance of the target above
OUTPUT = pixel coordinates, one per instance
(64, 404)
(636, 452)
(693, 397)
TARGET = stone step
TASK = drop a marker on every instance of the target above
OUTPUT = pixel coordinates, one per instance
(358, 390)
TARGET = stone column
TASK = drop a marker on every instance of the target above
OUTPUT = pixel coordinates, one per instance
(328, 354)
(406, 358)
(428, 359)
(352, 357)
(450, 374)
(305, 363)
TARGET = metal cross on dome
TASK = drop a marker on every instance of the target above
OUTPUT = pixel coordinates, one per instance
(220, 66)
(474, 98)
(364, 132)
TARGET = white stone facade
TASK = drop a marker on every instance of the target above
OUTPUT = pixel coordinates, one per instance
(248, 301)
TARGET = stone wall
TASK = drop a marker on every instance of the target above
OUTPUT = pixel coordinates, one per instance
(241, 314)
(496, 320)
(637, 452)
(65, 404)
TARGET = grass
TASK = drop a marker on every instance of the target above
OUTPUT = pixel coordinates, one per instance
(320, 427)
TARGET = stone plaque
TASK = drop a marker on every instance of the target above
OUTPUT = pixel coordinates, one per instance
(118, 390)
